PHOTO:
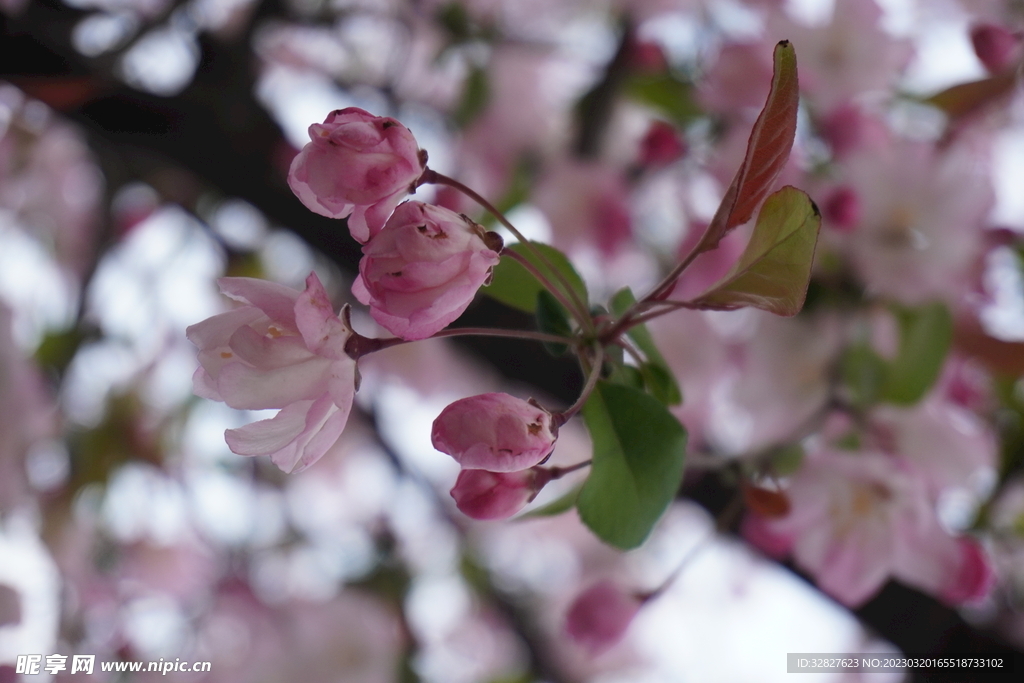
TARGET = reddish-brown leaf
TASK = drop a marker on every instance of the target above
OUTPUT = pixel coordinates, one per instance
(966, 98)
(767, 150)
(765, 502)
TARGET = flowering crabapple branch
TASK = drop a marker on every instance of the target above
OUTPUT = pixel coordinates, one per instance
(423, 265)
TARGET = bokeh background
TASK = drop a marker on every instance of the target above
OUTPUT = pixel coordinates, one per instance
(144, 147)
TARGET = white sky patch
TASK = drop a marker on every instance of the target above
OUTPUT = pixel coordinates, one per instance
(162, 61)
(156, 626)
(811, 12)
(101, 32)
(240, 224)
(287, 259)
(530, 221)
(96, 370)
(898, 16)
(157, 281)
(41, 295)
(406, 418)
(28, 569)
(1003, 316)
(944, 57)
(222, 506)
(435, 605)
(299, 98)
(1008, 176)
(217, 14)
(142, 503)
(732, 616)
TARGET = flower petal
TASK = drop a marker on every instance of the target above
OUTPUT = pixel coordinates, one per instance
(322, 330)
(250, 388)
(277, 301)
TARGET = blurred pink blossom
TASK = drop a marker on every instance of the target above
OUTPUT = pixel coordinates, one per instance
(995, 45)
(851, 55)
(496, 432)
(600, 615)
(842, 209)
(922, 213)
(357, 166)
(282, 349)
(422, 270)
(859, 518)
(661, 145)
(585, 203)
(847, 128)
(946, 442)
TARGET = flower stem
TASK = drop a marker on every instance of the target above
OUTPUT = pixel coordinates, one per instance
(640, 313)
(359, 346)
(559, 472)
(579, 308)
(535, 271)
(655, 296)
(588, 388)
(498, 332)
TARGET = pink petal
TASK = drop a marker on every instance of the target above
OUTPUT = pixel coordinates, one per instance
(253, 389)
(322, 330)
(268, 353)
(269, 436)
(214, 332)
(277, 301)
(295, 438)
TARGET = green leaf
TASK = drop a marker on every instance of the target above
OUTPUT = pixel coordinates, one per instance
(773, 271)
(513, 285)
(563, 503)
(665, 92)
(475, 94)
(926, 333)
(787, 459)
(662, 384)
(639, 450)
(768, 149)
(553, 319)
(656, 372)
(863, 374)
(626, 375)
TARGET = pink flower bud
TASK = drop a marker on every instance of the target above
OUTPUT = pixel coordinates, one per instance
(600, 615)
(282, 349)
(846, 128)
(759, 533)
(842, 209)
(661, 145)
(421, 271)
(996, 47)
(357, 166)
(481, 494)
(495, 432)
(974, 578)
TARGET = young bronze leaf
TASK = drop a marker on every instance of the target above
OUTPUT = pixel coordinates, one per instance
(963, 99)
(767, 151)
(773, 271)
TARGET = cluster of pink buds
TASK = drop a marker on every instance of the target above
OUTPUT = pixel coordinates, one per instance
(289, 350)
(500, 441)
(422, 264)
